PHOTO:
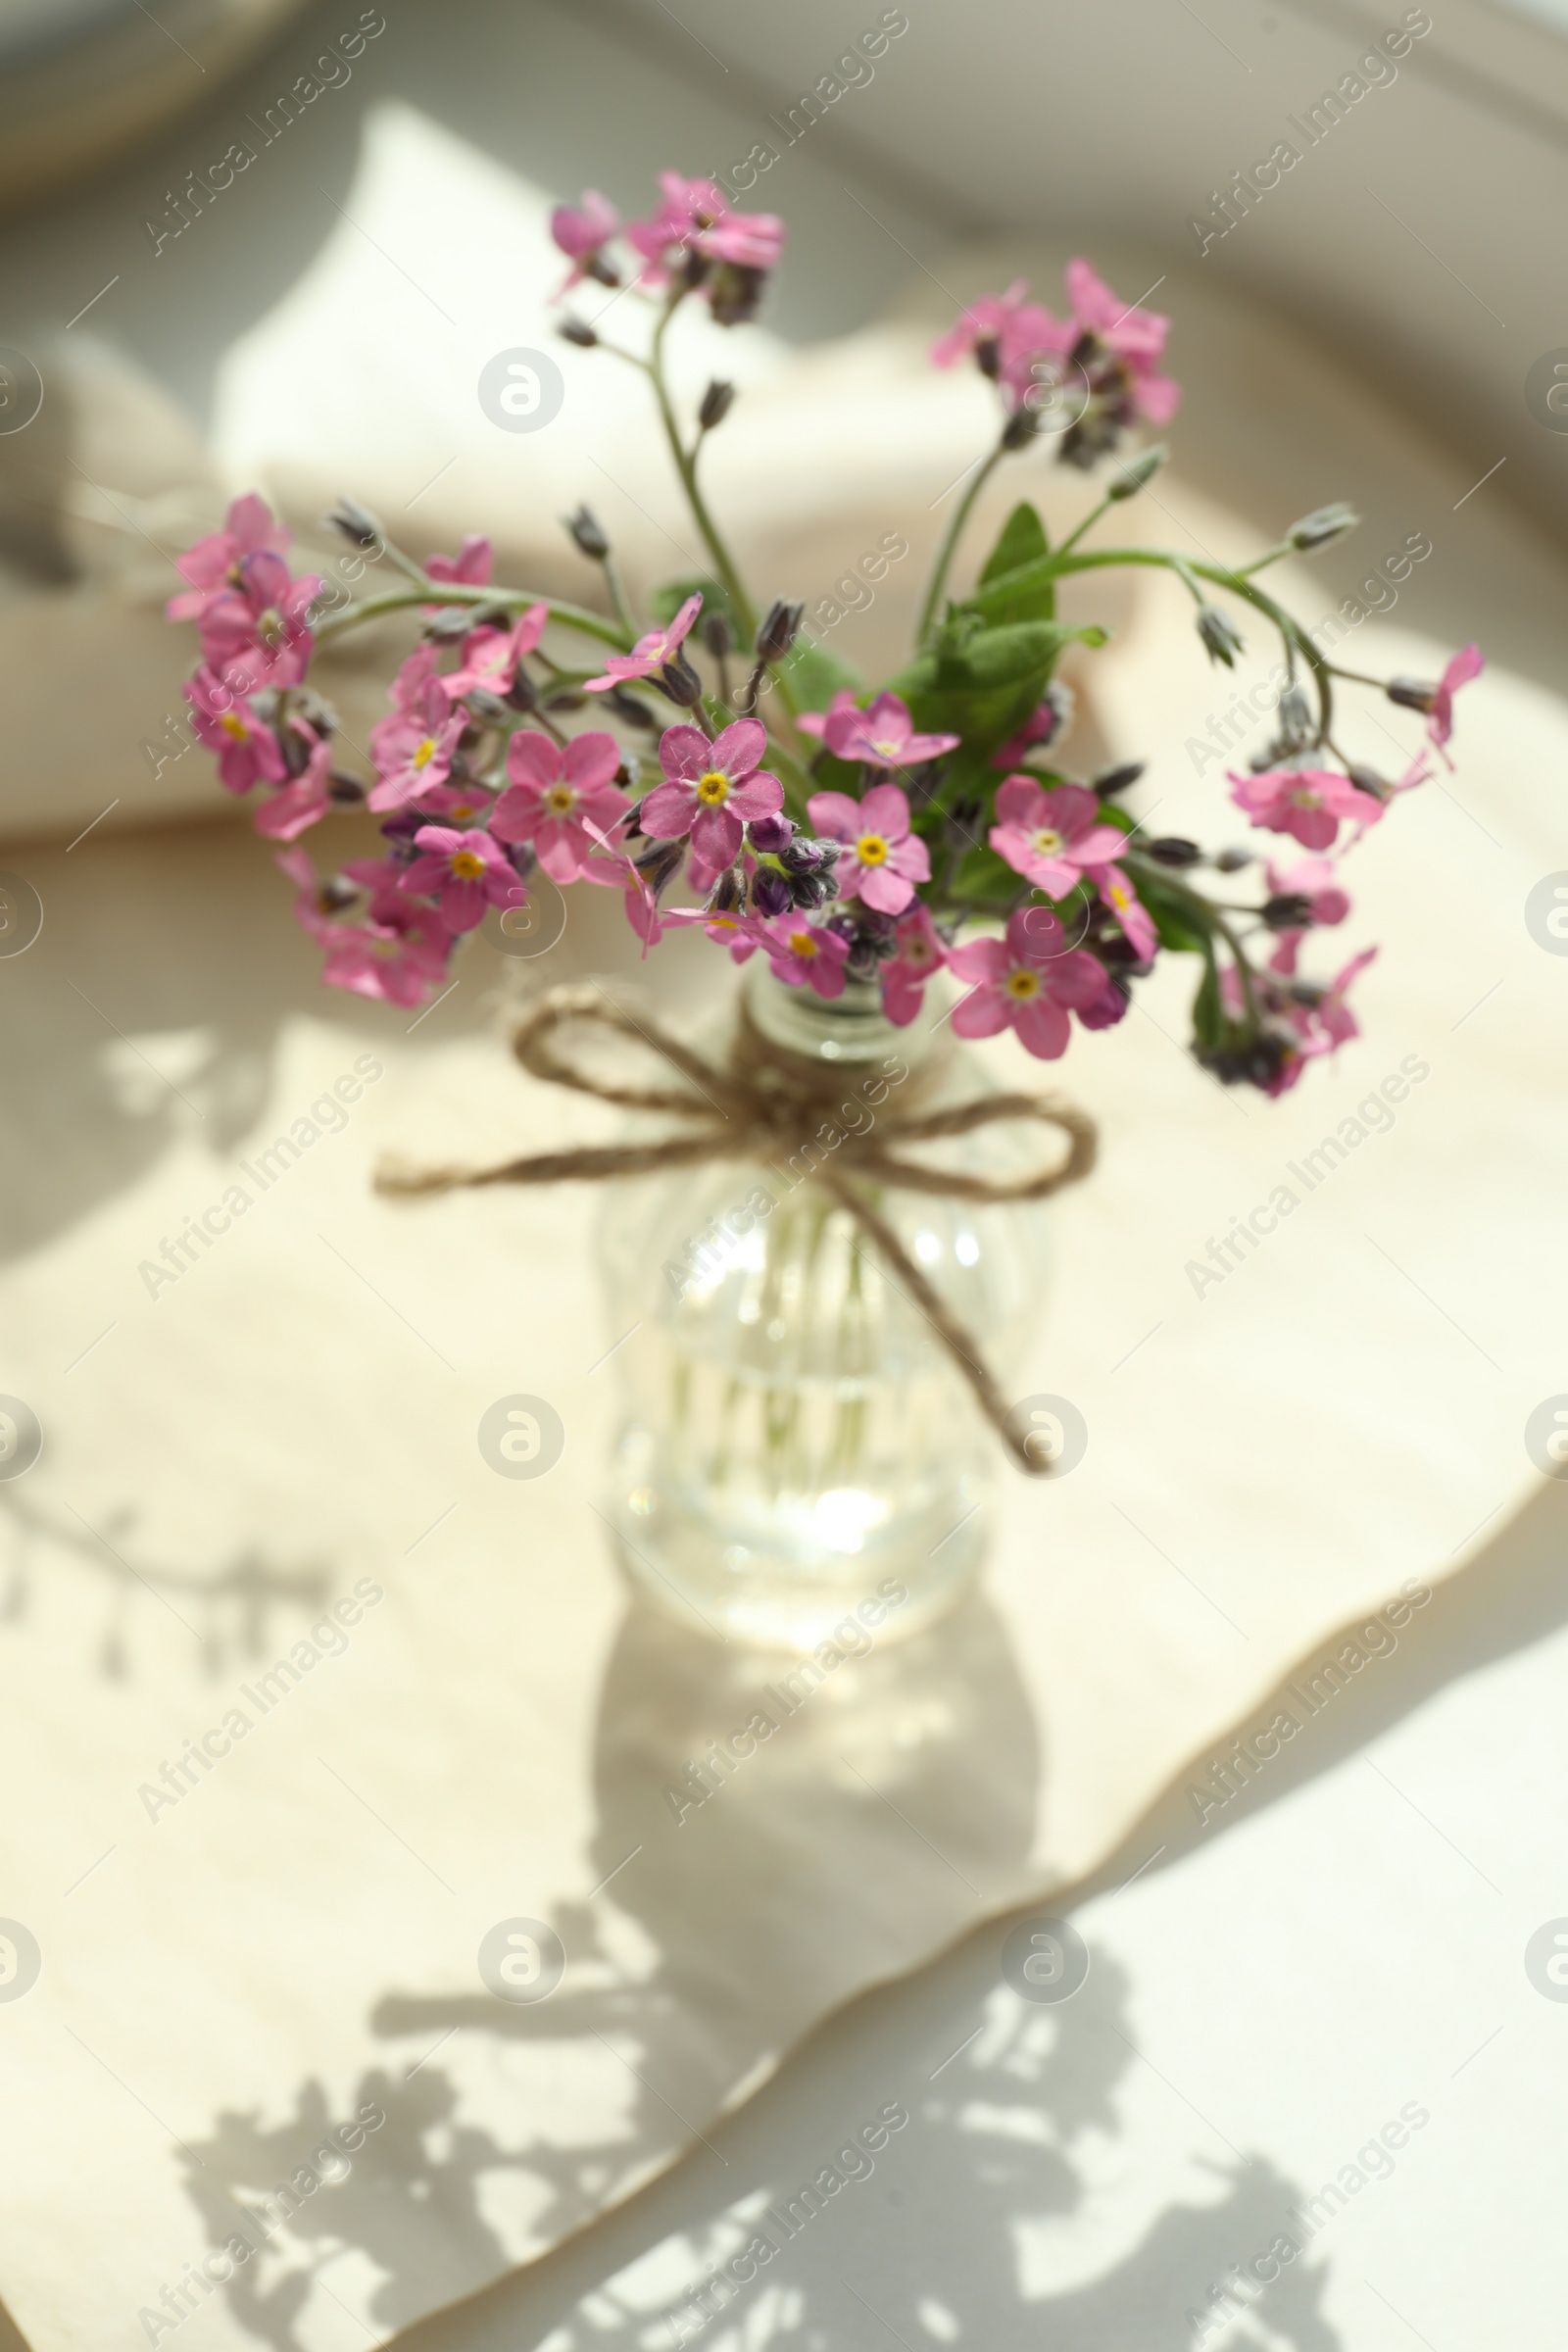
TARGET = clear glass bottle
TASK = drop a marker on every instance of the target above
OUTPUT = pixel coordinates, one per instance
(799, 1442)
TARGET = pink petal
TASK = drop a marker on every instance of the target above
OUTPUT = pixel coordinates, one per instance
(1043, 1027)
(716, 835)
(761, 795)
(737, 750)
(532, 758)
(1020, 801)
(982, 1015)
(667, 811)
(517, 813)
(880, 887)
(590, 760)
(982, 960)
(462, 905)
(834, 815)
(683, 752)
(884, 809)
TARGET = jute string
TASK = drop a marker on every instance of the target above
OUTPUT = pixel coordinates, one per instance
(767, 1102)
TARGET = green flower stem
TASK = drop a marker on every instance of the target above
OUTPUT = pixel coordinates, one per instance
(1261, 563)
(1294, 636)
(685, 466)
(617, 596)
(949, 544)
(453, 592)
(1088, 524)
(1209, 917)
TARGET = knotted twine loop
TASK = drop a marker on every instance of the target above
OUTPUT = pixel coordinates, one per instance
(765, 1101)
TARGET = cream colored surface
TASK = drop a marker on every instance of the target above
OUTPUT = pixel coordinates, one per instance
(297, 1934)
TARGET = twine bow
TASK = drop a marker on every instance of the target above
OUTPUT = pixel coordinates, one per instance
(765, 1101)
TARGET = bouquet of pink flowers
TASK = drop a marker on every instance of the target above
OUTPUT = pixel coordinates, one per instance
(846, 836)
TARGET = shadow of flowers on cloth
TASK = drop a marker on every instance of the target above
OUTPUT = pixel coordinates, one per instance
(714, 1938)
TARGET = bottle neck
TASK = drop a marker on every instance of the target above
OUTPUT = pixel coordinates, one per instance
(848, 1032)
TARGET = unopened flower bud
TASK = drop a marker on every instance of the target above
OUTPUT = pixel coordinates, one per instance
(521, 693)
(963, 818)
(726, 893)
(343, 788)
(446, 627)
(1021, 429)
(1322, 525)
(1367, 780)
(572, 330)
(589, 533)
(1172, 850)
(681, 683)
(988, 357)
(1221, 638)
(716, 635)
(569, 699)
(770, 835)
(771, 893)
(1112, 780)
(659, 863)
(1230, 862)
(736, 293)
(1411, 693)
(1287, 911)
(335, 893)
(777, 633)
(1137, 475)
(628, 707)
(716, 405)
(486, 707)
(357, 524)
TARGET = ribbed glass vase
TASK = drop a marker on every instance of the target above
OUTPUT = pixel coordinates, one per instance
(799, 1447)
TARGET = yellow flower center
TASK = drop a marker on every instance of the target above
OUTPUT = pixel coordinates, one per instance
(234, 725)
(466, 866)
(461, 813)
(803, 943)
(1023, 984)
(425, 752)
(560, 800)
(712, 789)
(1304, 796)
(1120, 899)
(385, 946)
(872, 849)
(1047, 841)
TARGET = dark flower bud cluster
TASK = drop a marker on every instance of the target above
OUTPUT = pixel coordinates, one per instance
(1259, 1061)
(871, 938)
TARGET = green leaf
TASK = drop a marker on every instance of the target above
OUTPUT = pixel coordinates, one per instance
(998, 593)
(981, 874)
(1172, 915)
(817, 675)
(1023, 538)
(983, 683)
(1023, 542)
